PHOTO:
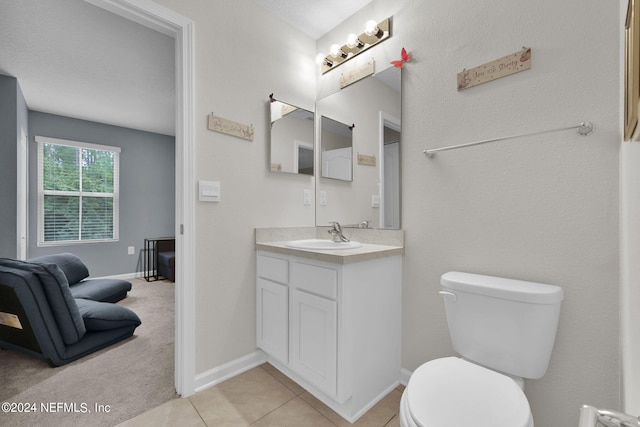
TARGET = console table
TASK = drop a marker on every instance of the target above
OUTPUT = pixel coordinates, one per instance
(151, 256)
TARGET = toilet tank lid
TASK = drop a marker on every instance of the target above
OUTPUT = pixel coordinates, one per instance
(499, 287)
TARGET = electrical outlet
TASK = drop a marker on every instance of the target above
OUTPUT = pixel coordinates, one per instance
(323, 198)
(131, 250)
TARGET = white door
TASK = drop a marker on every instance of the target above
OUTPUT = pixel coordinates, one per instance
(314, 340)
(22, 197)
(392, 186)
(337, 164)
(273, 319)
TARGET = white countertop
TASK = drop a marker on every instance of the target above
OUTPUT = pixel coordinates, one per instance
(368, 251)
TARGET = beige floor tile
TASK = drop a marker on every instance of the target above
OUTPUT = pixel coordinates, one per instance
(288, 382)
(324, 409)
(383, 411)
(294, 413)
(395, 422)
(378, 416)
(242, 399)
(172, 413)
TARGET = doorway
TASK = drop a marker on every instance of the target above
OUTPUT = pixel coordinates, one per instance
(167, 22)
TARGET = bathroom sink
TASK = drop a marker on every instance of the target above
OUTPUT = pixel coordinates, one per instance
(319, 244)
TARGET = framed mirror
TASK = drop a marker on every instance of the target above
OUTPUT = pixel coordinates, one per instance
(292, 137)
(372, 195)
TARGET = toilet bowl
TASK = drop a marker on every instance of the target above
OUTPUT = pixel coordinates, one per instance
(504, 330)
(452, 392)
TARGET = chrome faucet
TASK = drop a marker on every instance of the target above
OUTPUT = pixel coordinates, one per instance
(336, 233)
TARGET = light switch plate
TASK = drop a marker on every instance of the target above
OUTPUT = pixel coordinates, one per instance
(375, 201)
(209, 191)
(307, 197)
(323, 198)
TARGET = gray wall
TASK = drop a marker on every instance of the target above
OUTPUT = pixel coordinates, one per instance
(147, 190)
(9, 94)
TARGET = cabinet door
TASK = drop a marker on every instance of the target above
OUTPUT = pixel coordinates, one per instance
(314, 340)
(273, 319)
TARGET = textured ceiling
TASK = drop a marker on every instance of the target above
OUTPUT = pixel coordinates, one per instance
(77, 60)
(74, 59)
(313, 17)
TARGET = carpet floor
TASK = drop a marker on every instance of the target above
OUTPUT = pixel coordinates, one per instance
(106, 387)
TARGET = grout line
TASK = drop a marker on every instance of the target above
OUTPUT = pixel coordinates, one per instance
(392, 418)
(295, 396)
(282, 382)
(197, 412)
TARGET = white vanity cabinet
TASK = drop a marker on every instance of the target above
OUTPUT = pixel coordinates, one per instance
(273, 307)
(334, 328)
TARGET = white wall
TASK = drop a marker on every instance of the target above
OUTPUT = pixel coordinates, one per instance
(541, 208)
(242, 54)
(629, 255)
(629, 290)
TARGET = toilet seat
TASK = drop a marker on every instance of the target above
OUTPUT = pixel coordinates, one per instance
(451, 392)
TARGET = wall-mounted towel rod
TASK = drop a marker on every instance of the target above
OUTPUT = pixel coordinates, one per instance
(584, 128)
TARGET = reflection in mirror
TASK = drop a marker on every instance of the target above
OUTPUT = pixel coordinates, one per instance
(292, 131)
(337, 150)
(373, 193)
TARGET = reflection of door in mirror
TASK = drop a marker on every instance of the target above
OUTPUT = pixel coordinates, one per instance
(337, 150)
(292, 131)
(303, 158)
(390, 212)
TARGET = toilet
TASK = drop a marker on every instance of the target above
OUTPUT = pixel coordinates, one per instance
(504, 331)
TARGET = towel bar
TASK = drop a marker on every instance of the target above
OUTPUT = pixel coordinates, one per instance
(593, 417)
(584, 128)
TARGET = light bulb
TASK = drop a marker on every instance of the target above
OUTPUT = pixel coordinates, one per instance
(371, 28)
(335, 50)
(320, 58)
(352, 41)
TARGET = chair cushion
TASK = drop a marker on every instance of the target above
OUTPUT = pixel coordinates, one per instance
(105, 290)
(62, 304)
(102, 316)
(70, 264)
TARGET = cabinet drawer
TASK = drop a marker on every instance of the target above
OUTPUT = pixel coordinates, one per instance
(276, 269)
(314, 279)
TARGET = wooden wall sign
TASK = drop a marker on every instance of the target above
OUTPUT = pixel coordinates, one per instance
(366, 160)
(229, 127)
(493, 70)
(356, 74)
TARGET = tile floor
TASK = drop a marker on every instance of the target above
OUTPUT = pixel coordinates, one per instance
(261, 397)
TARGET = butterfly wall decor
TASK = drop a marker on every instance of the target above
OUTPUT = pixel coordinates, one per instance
(405, 57)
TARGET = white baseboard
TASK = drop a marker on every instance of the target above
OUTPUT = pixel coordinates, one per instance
(228, 370)
(405, 374)
(120, 276)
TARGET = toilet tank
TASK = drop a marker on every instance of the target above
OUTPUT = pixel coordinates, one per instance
(503, 324)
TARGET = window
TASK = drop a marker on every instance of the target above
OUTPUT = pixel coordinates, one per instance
(78, 192)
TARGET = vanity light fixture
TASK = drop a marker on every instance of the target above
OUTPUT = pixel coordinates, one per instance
(374, 33)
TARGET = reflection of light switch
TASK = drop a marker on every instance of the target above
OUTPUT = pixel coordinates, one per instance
(375, 201)
(307, 197)
(209, 191)
(323, 198)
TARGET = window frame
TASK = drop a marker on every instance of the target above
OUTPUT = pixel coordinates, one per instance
(115, 196)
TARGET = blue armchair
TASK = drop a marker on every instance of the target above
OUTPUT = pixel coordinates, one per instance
(40, 316)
